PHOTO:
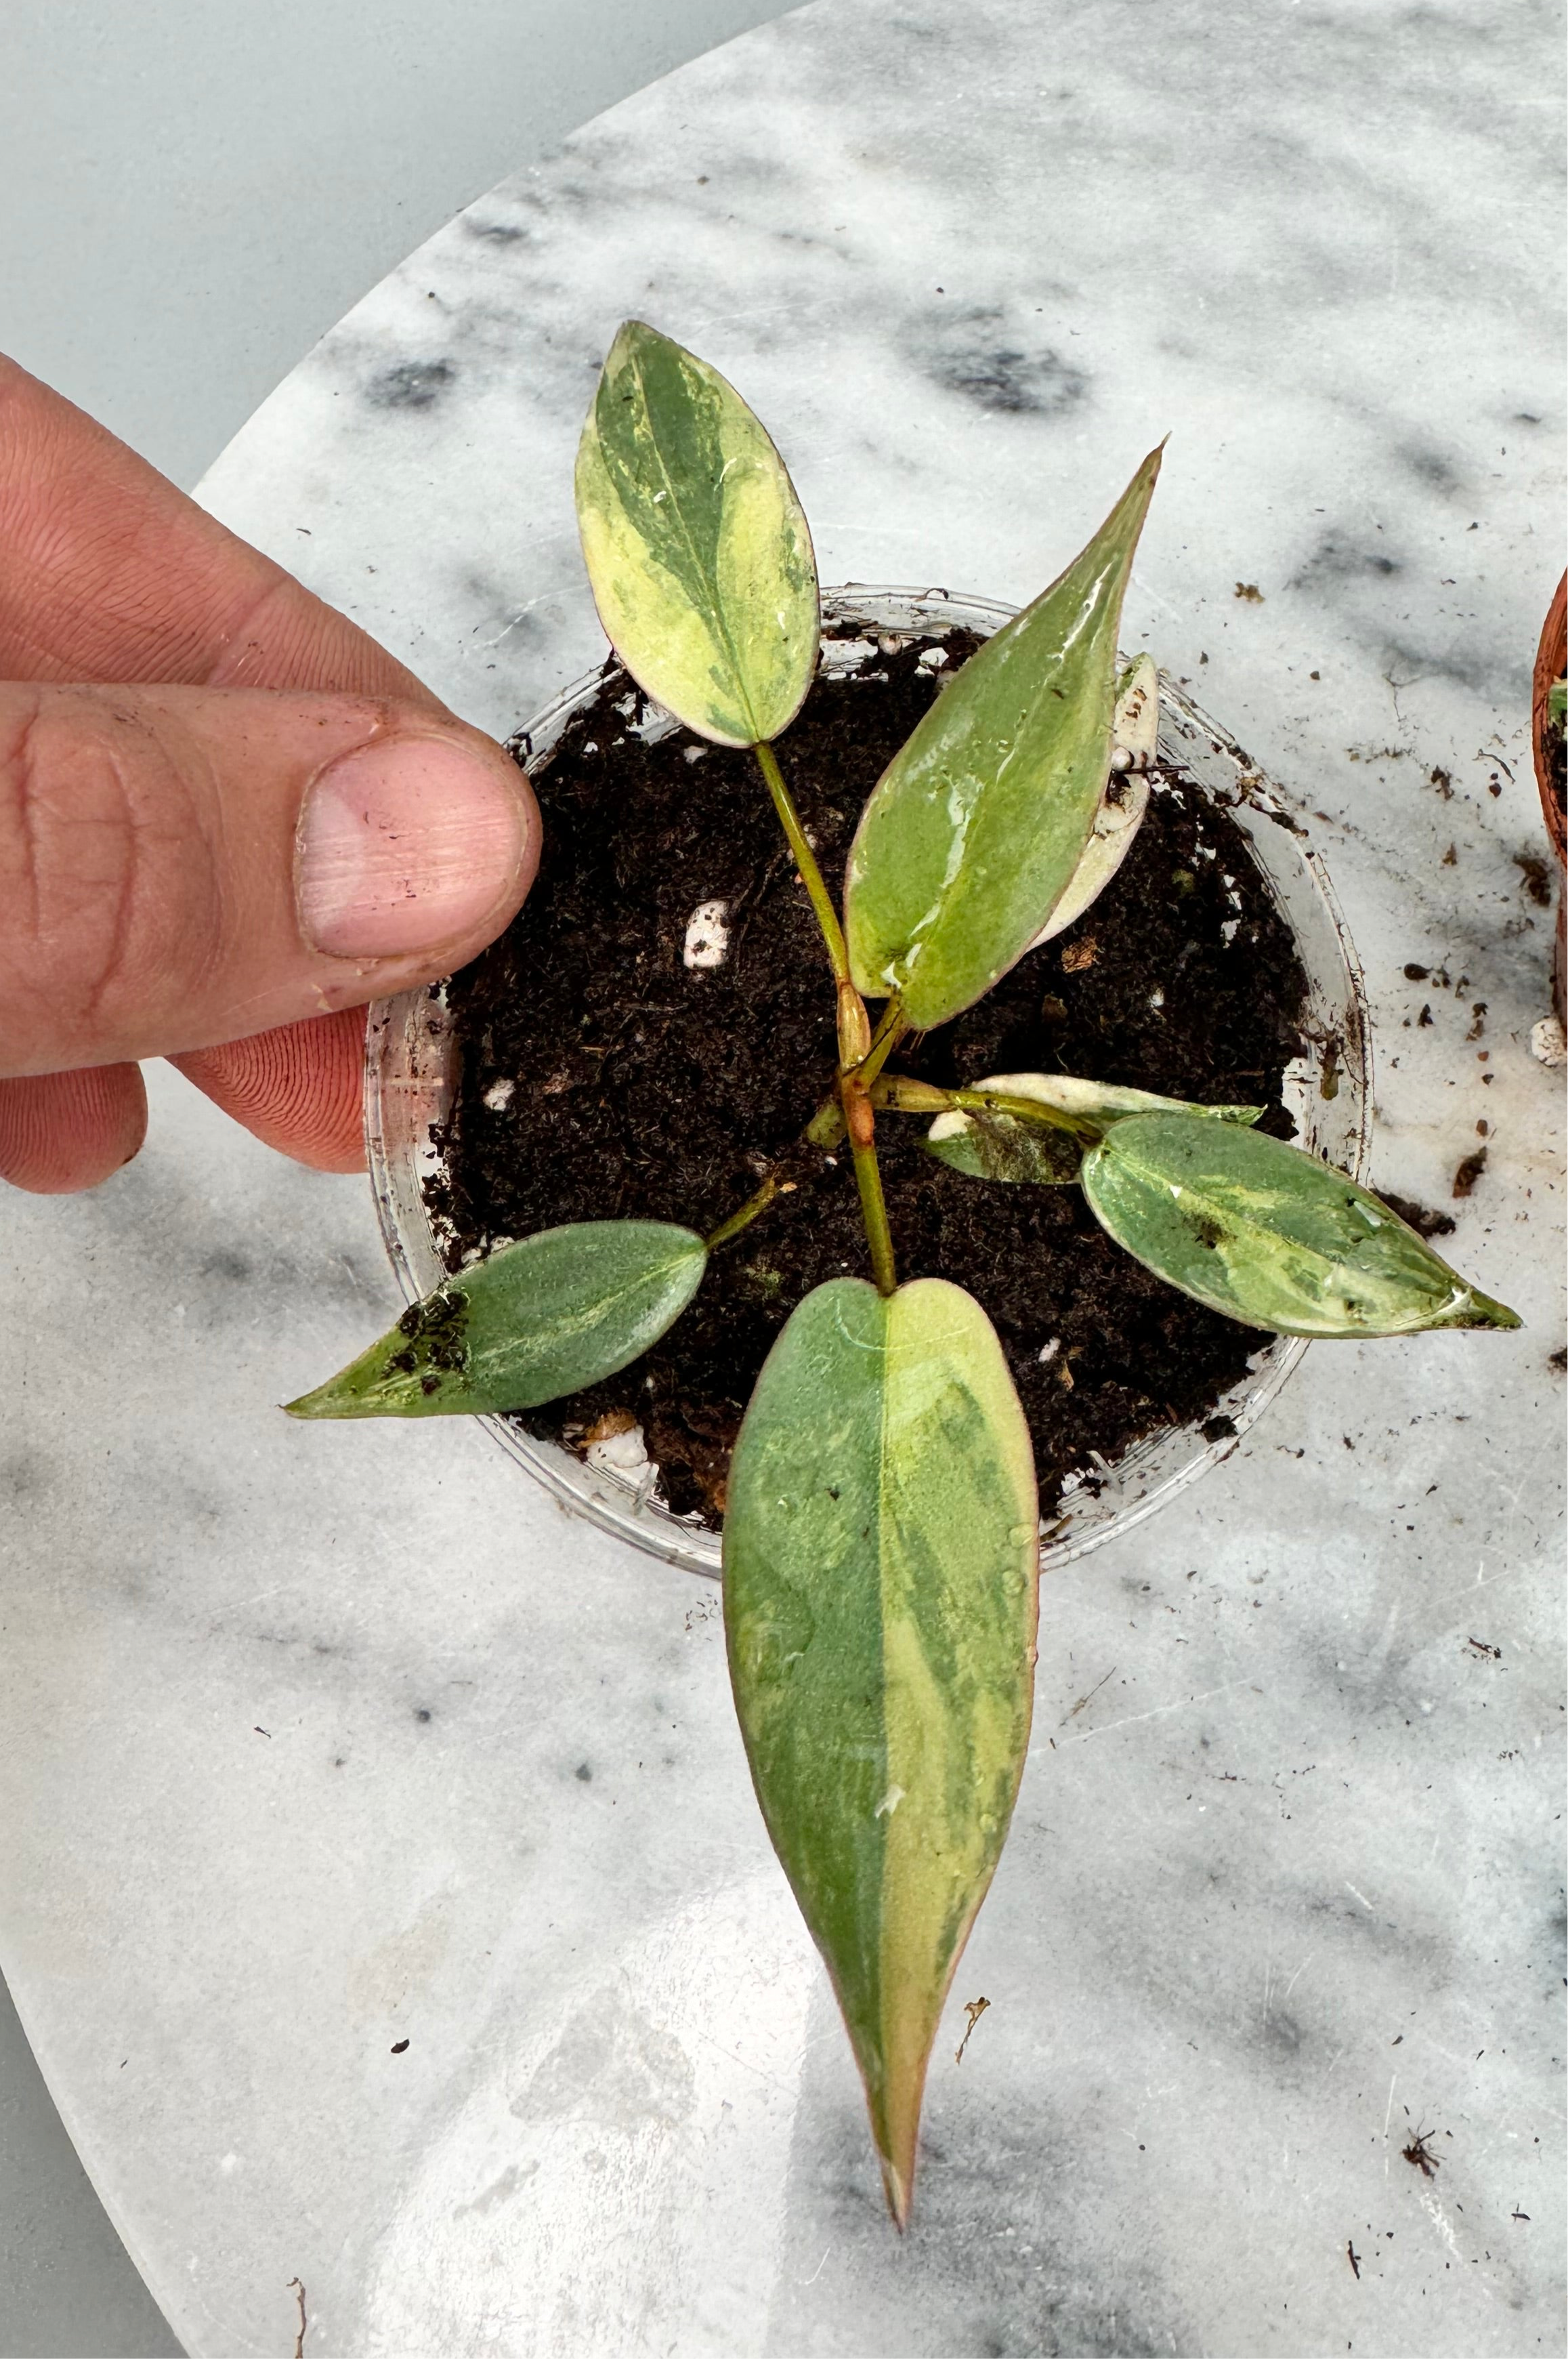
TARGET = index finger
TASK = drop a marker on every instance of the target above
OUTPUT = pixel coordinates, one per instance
(108, 573)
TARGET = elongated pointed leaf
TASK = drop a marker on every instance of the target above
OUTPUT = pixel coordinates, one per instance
(1005, 1145)
(1124, 801)
(696, 546)
(975, 829)
(532, 1322)
(1269, 1235)
(881, 1554)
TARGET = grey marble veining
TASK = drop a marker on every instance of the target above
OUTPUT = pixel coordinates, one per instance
(317, 1741)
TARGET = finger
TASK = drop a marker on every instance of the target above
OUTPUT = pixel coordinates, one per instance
(108, 573)
(300, 1088)
(183, 866)
(107, 569)
(59, 1132)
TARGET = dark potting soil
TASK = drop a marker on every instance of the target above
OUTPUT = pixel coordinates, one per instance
(1557, 762)
(601, 1077)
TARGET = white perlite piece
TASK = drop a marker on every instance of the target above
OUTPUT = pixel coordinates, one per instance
(1547, 1041)
(706, 935)
(624, 1453)
(498, 1097)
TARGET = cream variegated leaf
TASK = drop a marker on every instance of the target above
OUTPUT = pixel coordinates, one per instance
(880, 1559)
(1134, 733)
(975, 829)
(1002, 1143)
(1266, 1233)
(696, 547)
(529, 1323)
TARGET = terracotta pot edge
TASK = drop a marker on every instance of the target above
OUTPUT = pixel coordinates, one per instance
(1551, 662)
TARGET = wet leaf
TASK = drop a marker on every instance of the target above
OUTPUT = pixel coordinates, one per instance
(1267, 1234)
(1002, 1145)
(975, 829)
(1135, 733)
(881, 1556)
(530, 1322)
(696, 547)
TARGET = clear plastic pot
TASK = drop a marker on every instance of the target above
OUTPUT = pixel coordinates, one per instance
(408, 1091)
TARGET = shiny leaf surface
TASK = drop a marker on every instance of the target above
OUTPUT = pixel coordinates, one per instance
(880, 1559)
(696, 546)
(530, 1322)
(975, 829)
(1267, 1234)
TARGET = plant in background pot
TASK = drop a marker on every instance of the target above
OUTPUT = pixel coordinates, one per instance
(880, 1544)
(1549, 705)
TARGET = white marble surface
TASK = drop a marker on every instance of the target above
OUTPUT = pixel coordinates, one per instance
(315, 1741)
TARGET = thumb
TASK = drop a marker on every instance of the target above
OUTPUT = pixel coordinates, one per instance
(180, 867)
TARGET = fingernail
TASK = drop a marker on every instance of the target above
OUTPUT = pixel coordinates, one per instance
(404, 846)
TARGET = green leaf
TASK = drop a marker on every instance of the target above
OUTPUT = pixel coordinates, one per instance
(881, 1560)
(1124, 800)
(528, 1323)
(696, 546)
(1269, 1235)
(998, 1146)
(974, 830)
(1003, 1144)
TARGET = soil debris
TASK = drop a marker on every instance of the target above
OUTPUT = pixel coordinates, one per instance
(1469, 1172)
(1422, 1218)
(1536, 878)
(1419, 2154)
(974, 2008)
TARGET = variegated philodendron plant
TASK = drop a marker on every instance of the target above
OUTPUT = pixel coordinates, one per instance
(881, 1535)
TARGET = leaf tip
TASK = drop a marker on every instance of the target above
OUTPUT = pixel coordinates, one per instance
(1479, 1309)
(899, 2189)
(315, 1404)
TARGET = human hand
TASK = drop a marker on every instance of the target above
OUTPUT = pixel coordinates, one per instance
(261, 823)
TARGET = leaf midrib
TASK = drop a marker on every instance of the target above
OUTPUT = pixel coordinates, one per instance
(708, 579)
(590, 1316)
(1227, 1216)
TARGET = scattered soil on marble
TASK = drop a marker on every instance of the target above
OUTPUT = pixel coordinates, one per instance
(601, 1077)
(1535, 875)
(1422, 1218)
(1468, 1172)
(1419, 2153)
